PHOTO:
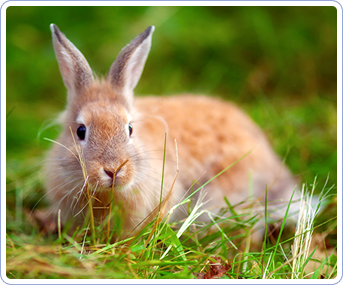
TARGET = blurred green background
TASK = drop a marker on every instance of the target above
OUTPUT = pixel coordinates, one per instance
(277, 63)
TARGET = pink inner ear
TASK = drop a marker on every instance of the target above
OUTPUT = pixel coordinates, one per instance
(134, 73)
(66, 68)
(136, 64)
(126, 70)
(75, 70)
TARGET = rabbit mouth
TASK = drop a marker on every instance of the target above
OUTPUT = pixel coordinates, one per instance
(119, 188)
(117, 177)
(116, 185)
(106, 184)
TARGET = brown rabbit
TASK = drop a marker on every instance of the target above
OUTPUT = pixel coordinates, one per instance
(122, 137)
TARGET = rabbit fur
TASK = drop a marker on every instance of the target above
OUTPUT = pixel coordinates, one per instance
(210, 133)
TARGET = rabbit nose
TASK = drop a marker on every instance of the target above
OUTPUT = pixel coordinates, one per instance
(109, 173)
(113, 174)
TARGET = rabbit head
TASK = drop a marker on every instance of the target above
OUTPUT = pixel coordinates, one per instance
(97, 121)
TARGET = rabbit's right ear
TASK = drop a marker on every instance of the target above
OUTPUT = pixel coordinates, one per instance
(75, 70)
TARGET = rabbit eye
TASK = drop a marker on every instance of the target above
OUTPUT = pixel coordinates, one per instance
(130, 128)
(81, 132)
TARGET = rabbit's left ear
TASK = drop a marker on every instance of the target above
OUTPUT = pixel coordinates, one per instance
(126, 70)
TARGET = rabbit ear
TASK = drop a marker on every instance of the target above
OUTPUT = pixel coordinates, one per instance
(75, 70)
(126, 70)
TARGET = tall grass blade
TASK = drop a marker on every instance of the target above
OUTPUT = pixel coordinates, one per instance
(59, 224)
(283, 224)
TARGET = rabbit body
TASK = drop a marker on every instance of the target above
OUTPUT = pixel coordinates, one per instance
(124, 139)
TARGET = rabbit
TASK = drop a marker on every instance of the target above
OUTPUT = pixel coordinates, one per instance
(120, 139)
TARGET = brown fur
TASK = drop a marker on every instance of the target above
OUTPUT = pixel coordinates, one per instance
(211, 134)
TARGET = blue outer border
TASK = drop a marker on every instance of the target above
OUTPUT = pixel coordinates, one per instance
(341, 282)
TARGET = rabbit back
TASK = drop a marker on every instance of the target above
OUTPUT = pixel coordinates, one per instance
(212, 134)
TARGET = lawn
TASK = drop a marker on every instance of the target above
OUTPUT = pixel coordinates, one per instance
(278, 64)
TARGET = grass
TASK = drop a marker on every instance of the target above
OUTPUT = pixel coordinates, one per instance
(277, 63)
(171, 254)
(188, 249)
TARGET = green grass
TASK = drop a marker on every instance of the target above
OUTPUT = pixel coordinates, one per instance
(176, 250)
(277, 63)
(172, 250)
